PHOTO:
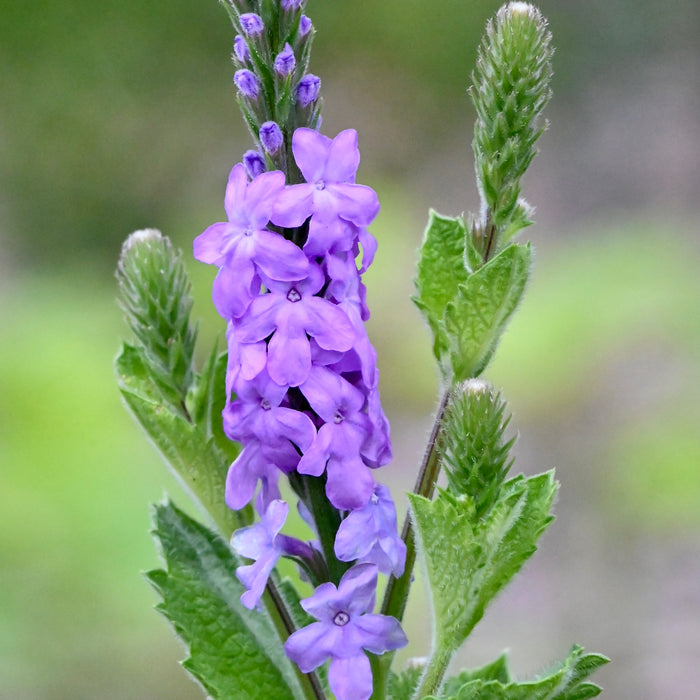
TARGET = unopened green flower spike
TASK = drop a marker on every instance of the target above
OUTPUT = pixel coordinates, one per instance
(510, 90)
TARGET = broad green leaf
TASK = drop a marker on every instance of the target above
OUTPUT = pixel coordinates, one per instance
(567, 682)
(495, 671)
(477, 316)
(234, 652)
(441, 269)
(469, 562)
(193, 455)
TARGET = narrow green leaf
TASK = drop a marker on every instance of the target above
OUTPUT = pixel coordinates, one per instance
(469, 562)
(566, 682)
(477, 316)
(234, 652)
(193, 455)
(441, 269)
(206, 401)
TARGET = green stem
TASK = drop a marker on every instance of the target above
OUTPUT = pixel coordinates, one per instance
(284, 626)
(397, 590)
(396, 595)
(434, 673)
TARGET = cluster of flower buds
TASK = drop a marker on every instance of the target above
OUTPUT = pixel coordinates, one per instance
(302, 378)
(276, 92)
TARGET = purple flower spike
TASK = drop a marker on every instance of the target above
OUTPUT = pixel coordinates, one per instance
(259, 542)
(344, 629)
(285, 62)
(308, 90)
(240, 48)
(369, 535)
(252, 24)
(247, 83)
(289, 312)
(254, 164)
(243, 245)
(271, 137)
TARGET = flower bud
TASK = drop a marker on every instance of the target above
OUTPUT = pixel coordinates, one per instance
(305, 26)
(254, 164)
(308, 90)
(291, 5)
(240, 48)
(271, 137)
(252, 24)
(285, 61)
(247, 83)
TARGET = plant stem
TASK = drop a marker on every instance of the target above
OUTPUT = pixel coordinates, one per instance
(397, 590)
(434, 673)
(284, 626)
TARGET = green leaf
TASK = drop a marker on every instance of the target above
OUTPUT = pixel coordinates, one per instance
(206, 401)
(469, 562)
(194, 455)
(402, 685)
(566, 682)
(441, 269)
(234, 652)
(495, 671)
(477, 316)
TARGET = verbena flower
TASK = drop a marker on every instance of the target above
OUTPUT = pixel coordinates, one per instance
(289, 313)
(346, 628)
(271, 137)
(369, 535)
(240, 48)
(243, 246)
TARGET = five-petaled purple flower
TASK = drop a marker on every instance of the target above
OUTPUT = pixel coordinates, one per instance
(346, 628)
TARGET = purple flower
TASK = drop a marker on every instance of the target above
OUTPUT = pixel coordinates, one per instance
(288, 313)
(271, 137)
(243, 245)
(261, 543)
(257, 413)
(240, 48)
(285, 61)
(330, 192)
(251, 466)
(251, 24)
(291, 5)
(247, 83)
(254, 164)
(308, 89)
(344, 629)
(368, 535)
(336, 448)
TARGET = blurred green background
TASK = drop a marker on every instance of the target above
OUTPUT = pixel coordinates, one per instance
(119, 115)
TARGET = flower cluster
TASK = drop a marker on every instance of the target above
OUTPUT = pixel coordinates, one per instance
(302, 380)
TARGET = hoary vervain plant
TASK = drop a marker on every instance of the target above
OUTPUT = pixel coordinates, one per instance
(291, 409)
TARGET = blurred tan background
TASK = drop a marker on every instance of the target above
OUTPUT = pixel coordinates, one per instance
(119, 115)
